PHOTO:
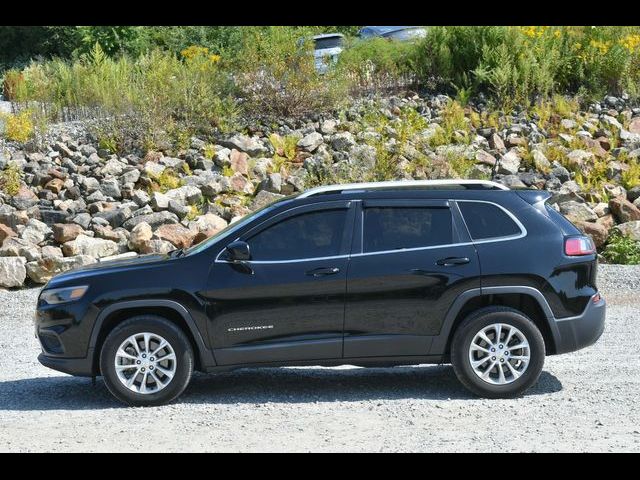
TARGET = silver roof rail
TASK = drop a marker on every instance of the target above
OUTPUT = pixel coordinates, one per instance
(398, 183)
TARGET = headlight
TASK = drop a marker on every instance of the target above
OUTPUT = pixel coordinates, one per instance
(63, 295)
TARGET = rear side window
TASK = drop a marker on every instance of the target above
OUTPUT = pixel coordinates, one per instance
(394, 228)
(485, 220)
(308, 235)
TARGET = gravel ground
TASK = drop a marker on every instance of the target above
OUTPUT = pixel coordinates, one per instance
(584, 401)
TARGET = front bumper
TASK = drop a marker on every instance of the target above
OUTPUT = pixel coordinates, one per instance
(583, 330)
(80, 367)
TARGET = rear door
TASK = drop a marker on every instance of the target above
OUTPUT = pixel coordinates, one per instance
(411, 259)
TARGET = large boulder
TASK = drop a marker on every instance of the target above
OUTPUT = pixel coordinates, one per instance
(596, 231)
(310, 142)
(253, 146)
(630, 229)
(36, 231)
(153, 219)
(509, 163)
(18, 247)
(5, 232)
(140, 235)
(12, 271)
(65, 232)
(578, 212)
(94, 247)
(44, 269)
(624, 210)
(178, 235)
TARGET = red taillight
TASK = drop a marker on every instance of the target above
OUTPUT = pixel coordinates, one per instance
(576, 246)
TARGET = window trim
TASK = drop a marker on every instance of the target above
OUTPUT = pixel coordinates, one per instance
(523, 230)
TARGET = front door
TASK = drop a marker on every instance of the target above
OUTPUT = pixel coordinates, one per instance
(411, 259)
(287, 302)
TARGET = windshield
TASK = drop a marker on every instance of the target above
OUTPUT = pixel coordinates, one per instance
(407, 34)
(232, 227)
(328, 42)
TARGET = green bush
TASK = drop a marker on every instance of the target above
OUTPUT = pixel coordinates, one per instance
(275, 71)
(10, 179)
(622, 249)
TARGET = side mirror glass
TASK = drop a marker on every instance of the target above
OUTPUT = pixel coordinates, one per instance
(239, 251)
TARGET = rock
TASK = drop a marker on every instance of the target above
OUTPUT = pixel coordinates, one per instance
(83, 219)
(17, 247)
(115, 216)
(485, 158)
(633, 193)
(178, 235)
(208, 224)
(240, 183)
(568, 124)
(342, 141)
(239, 162)
(24, 199)
(607, 221)
(250, 145)
(512, 181)
(634, 125)
(65, 232)
(310, 142)
(509, 163)
(111, 188)
(187, 195)
(55, 185)
(577, 212)
(94, 247)
(624, 210)
(12, 271)
(43, 270)
(157, 246)
(264, 198)
(140, 197)
(328, 127)
(579, 158)
(496, 143)
(629, 229)
(153, 169)
(49, 251)
(596, 231)
(612, 122)
(540, 161)
(153, 219)
(273, 183)
(35, 232)
(601, 209)
(140, 234)
(6, 232)
(51, 217)
(112, 168)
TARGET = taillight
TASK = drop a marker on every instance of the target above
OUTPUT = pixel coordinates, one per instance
(576, 246)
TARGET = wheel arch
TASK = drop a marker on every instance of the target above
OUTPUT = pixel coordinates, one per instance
(528, 300)
(116, 313)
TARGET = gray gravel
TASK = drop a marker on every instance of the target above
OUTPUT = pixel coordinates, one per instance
(584, 401)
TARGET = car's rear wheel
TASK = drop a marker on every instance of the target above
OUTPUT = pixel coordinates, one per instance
(146, 360)
(497, 352)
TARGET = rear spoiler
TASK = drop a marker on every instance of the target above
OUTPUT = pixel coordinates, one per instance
(533, 197)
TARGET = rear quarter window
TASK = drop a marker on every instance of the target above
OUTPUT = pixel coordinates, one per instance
(485, 221)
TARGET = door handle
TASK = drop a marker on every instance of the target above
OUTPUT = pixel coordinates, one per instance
(451, 261)
(322, 271)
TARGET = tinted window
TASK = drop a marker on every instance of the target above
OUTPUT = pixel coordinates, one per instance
(308, 235)
(485, 220)
(392, 228)
(328, 42)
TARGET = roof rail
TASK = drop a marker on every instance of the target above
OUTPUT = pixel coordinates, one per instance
(399, 184)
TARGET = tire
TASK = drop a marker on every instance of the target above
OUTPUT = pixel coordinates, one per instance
(165, 379)
(511, 321)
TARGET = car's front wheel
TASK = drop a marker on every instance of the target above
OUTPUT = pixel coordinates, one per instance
(146, 360)
(497, 352)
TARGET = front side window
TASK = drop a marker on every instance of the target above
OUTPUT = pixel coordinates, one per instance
(485, 220)
(395, 228)
(307, 235)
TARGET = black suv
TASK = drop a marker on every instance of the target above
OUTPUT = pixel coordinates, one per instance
(393, 273)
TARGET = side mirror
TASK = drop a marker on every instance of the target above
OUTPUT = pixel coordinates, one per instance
(239, 251)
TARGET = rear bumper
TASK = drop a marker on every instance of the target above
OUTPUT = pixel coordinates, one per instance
(583, 330)
(80, 367)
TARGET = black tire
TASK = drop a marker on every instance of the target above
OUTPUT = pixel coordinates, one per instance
(167, 330)
(464, 335)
